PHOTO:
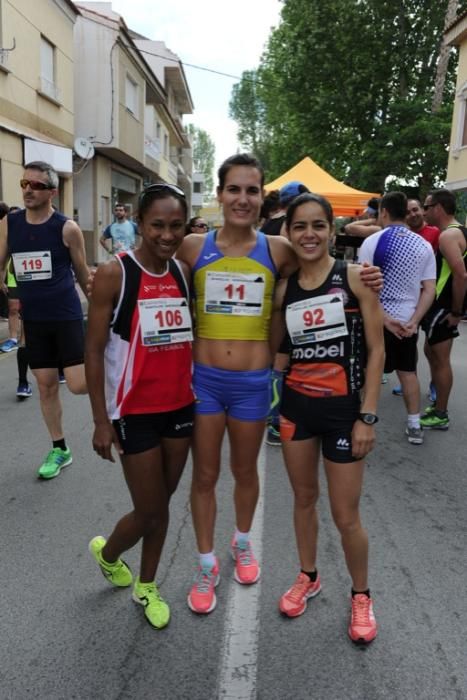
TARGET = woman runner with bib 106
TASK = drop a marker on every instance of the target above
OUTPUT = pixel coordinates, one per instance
(334, 327)
(138, 365)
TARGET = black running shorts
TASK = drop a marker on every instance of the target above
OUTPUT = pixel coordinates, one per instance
(401, 353)
(331, 419)
(144, 431)
(436, 328)
(53, 344)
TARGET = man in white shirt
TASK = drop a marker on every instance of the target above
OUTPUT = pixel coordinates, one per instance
(409, 268)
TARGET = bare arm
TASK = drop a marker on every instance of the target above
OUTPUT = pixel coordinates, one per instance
(283, 255)
(425, 300)
(452, 247)
(363, 436)
(278, 327)
(3, 251)
(74, 240)
(104, 243)
(362, 229)
(106, 288)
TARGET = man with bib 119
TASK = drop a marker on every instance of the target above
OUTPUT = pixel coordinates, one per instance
(46, 248)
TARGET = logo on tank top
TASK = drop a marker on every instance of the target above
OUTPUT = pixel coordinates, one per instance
(319, 352)
(341, 292)
(211, 255)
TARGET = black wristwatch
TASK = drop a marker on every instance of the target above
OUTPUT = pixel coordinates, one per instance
(368, 418)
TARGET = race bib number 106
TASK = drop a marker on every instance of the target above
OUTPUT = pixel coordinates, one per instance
(165, 321)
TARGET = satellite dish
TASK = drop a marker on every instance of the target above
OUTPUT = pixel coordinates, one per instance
(83, 148)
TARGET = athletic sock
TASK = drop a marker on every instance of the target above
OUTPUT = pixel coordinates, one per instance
(241, 537)
(22, 361)
(367, 593)
(413, 420)
(207, 560)
(60, 443)
(312, 575)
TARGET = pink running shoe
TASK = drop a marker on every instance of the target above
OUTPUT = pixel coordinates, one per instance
(293, 602)
(247, 569)
(202, 597)
(362, 627)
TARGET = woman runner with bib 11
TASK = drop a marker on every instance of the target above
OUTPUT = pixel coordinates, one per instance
(334, 327)
(138, 365)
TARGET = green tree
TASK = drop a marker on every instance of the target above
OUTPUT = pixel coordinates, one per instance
(247, 108)
(351, 84)
(204, 152)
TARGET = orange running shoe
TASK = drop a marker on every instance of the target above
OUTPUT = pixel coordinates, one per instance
(202, 597)
(293, 602)
(247, 569)
(362, 627)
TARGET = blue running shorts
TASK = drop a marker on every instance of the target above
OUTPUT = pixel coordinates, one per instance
(241, 395)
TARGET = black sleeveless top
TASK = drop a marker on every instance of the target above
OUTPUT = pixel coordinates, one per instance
(328, 351)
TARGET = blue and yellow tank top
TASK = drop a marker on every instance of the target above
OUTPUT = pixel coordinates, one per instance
(233, 296)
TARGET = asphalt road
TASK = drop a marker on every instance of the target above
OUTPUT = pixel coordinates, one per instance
(66, 634)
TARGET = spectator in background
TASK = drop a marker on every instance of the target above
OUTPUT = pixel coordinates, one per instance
(119, 236)
(368, 225)
(276, 224)
(441, 322)
(416, 223)
(196, 225)
(409, 268)
(270, 212)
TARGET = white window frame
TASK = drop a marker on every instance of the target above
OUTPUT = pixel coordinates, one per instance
(462, 97)
(131, 95)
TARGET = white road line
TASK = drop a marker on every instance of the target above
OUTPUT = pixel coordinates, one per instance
(239, 652)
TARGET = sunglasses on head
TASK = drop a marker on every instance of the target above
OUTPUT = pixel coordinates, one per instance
(34, 185)
(162, 187)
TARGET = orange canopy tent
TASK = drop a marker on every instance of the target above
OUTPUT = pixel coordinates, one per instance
(344, 199)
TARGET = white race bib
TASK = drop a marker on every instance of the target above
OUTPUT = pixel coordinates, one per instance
(234, 294)
(165, 321)
(316, 319)
(33, 266)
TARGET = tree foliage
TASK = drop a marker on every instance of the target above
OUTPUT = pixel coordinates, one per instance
(204, 152)
(350, 83)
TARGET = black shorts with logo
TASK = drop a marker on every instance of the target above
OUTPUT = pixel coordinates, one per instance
(331, 419)
(436, 328)
(53, 344)
(145, 431)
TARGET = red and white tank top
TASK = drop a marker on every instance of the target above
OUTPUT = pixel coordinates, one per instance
(148, 361)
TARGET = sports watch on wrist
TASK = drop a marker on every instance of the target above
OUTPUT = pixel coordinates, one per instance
(368, 418)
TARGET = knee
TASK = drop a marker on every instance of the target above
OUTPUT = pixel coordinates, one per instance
(204, 480)
(48, 391)
(150, 522)
(246, 477)
(306, 499)
(347, 522)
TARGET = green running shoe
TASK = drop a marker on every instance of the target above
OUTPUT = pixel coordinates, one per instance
(429, 410)
(53, 463)
(155, 608)
(118, 573)
(435, 421)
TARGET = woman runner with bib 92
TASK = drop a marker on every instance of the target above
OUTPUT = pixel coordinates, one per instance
(334, 328)
(138, 365)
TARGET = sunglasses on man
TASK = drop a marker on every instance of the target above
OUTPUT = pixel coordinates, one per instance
(35, 185)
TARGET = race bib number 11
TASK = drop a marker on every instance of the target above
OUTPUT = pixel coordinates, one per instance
(164, 321)
(234, 294)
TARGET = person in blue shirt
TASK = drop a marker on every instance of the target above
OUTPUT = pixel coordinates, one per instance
(119, 236)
